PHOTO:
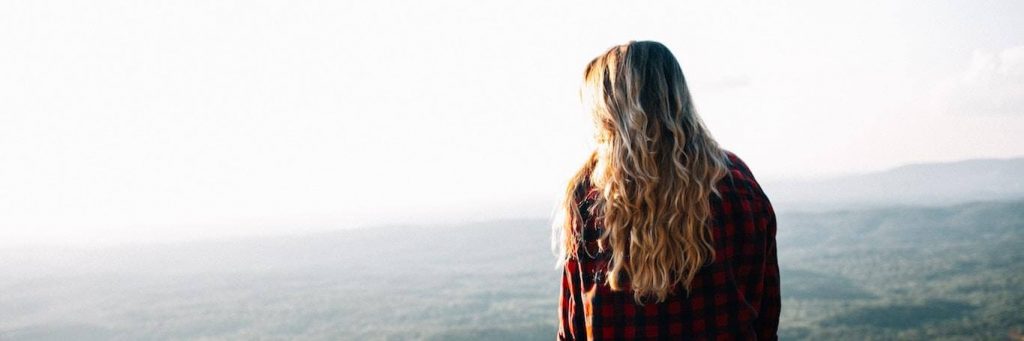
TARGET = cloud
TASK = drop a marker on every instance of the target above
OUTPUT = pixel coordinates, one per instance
(992, 84)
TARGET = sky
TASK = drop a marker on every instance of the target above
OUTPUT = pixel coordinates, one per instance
(126, 121)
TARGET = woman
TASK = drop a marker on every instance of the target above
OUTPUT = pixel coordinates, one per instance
(665, 234)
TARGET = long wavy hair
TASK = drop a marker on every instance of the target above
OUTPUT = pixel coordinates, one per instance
(655, 167)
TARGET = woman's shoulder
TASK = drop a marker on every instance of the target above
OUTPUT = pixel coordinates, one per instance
(739, 178)
(736, 164)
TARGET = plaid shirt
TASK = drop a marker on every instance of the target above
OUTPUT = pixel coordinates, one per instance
(735, 297)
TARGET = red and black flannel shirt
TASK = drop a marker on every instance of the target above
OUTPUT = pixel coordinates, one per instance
(734, 298)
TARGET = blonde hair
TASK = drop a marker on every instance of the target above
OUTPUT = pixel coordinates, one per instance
(656, 167)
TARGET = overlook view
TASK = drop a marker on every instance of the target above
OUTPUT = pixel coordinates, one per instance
(381, 170)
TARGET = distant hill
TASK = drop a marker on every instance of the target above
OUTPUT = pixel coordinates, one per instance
(927, 184)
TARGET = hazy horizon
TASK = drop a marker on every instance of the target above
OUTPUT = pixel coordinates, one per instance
(529, 210)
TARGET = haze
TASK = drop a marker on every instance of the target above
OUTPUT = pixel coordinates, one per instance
(128, 122)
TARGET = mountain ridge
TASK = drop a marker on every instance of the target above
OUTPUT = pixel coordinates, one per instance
(927, 184)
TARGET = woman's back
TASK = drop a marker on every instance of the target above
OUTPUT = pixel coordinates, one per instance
(734, 297)
(665, 234)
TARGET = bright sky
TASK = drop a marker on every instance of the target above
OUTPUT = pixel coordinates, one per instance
(130, 121)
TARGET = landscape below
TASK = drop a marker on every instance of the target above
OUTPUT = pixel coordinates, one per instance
(899, 272)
